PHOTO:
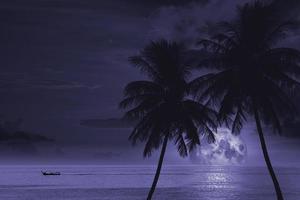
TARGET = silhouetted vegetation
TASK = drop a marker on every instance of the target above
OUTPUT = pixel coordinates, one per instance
(9, 131)
(162, 105)
(254, 76)
(251, 75)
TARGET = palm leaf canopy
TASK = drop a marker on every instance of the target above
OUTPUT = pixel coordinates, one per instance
(161, 105)
(252, 70)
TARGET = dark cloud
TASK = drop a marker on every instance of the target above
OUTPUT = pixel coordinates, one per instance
(62, 61)
(107, 123)
(287, 8)
(66, 57)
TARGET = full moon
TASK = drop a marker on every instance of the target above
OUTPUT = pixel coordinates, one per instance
(227, 149)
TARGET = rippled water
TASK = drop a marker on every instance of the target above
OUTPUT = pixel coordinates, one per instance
(132, 183)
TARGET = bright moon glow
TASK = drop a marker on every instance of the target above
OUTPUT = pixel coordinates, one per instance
(227, 149)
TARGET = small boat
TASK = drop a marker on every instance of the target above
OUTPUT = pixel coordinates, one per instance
(48, 173)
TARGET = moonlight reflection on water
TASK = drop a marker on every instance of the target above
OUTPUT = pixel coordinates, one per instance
(217, 177)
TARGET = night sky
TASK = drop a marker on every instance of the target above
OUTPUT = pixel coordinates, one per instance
(63, 61)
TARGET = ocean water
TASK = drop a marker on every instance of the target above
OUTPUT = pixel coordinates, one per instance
(115, 182)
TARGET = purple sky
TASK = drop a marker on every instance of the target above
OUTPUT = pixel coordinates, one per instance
(64, 61)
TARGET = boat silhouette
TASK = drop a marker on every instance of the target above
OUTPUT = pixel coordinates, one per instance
(49, 173)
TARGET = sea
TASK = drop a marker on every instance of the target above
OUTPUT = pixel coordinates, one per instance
(132, 182)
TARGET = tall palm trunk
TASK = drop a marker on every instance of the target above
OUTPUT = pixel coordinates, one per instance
(160, 162)
(266, 155)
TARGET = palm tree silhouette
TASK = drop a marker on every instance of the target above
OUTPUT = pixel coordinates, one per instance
(161, 104)
(253, 76)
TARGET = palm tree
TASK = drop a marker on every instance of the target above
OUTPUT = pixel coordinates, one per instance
(161, 104)
(252, 76)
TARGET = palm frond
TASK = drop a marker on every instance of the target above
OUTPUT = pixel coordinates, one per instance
(142, 87)
(144, 67)
(212, 45)
(181, 146)
(239, 120)
(137, 99)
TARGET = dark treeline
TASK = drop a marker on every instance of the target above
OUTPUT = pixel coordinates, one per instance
(11, 131)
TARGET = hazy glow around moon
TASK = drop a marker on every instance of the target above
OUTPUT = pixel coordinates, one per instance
(227, 149)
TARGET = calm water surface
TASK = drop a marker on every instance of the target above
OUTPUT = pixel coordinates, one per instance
(132, 183)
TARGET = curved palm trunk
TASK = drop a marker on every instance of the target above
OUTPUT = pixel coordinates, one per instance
(160, 162)
(266, 156)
